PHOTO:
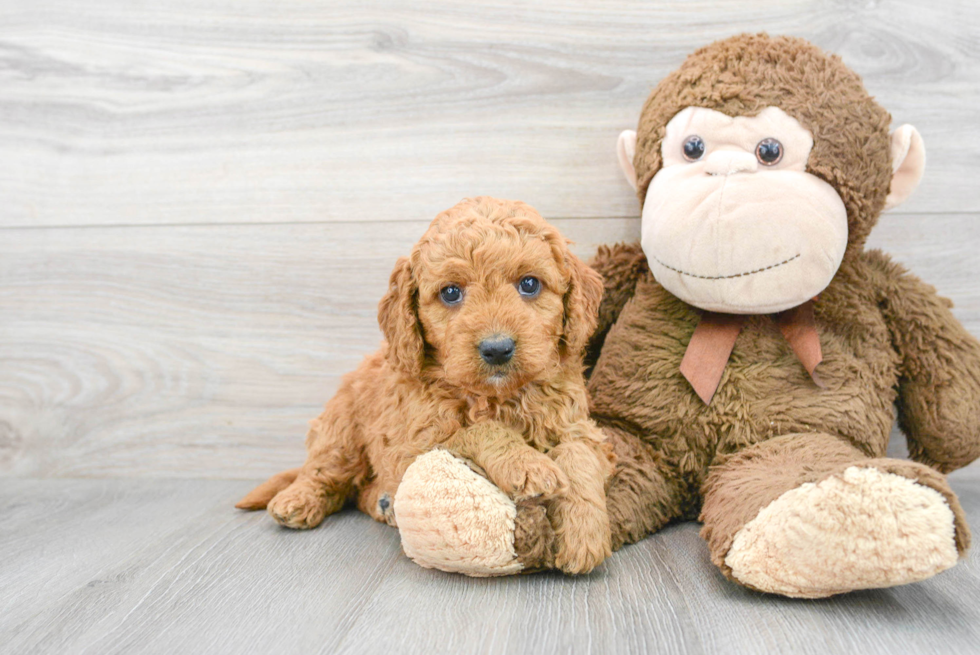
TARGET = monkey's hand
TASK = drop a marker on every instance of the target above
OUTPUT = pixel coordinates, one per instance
(939, 387)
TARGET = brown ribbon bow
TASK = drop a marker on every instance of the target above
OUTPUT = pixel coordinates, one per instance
(714, 338)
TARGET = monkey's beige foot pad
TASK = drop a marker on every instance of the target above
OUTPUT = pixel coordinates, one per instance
(863, 529)
(452, 519)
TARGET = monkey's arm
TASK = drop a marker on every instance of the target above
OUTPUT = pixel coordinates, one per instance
(620, 266)
(939, 385)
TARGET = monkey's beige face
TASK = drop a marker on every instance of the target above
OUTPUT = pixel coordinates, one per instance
(733, 222)
(491, 308)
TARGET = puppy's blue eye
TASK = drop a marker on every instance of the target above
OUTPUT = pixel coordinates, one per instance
(451, 294)
(529, 286)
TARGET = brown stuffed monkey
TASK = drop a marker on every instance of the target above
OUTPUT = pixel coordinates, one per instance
(751, 355)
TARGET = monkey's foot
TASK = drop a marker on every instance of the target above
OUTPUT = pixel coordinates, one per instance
(862, 529)
(453, 519)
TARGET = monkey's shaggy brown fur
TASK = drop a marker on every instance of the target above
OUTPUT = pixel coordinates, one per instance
(527, 426)
(888, 340)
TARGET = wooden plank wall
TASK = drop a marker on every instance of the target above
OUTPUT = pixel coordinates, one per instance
(200, 202)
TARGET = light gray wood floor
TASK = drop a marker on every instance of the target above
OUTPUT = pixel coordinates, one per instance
(167, 566)
(200, 204)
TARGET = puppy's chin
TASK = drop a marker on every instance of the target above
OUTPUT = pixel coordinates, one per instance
(498, 379)
(497, 382)
(494, 384)
(503, 381)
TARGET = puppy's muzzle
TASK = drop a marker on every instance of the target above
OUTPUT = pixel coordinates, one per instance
(496, 350)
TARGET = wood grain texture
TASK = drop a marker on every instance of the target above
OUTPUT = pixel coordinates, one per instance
(139, 566)
(232, 111)
(203, 351)
(189, 351)
(200, 204)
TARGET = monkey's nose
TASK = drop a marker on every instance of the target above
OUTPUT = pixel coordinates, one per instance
(729, 162)
(496, 350)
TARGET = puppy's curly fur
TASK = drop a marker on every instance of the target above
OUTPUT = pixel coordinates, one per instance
(525, 421)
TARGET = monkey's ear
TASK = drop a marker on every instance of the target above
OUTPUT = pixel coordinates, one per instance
(908, 164)
(626, 150)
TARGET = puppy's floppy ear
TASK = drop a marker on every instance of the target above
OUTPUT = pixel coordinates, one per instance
(581, 305)
(399, 320)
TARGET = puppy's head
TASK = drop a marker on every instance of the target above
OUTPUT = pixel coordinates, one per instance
(490, 299)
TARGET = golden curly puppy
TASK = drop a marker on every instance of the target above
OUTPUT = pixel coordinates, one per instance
(485, 325)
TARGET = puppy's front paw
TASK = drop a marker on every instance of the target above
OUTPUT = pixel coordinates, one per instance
(583, 536)
(298, 507)
(582, 553)
(530, 474)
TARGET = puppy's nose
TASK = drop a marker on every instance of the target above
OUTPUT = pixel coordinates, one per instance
(497, 350)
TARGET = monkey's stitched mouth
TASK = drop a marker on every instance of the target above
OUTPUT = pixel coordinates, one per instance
(727, 277)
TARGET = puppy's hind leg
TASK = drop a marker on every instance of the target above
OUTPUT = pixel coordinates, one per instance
(333, 465)
(259, 497)
(321, 488)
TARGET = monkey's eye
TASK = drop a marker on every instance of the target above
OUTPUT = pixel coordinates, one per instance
(451, 294)
(693, 148)
(529, 286)
(769, 152)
